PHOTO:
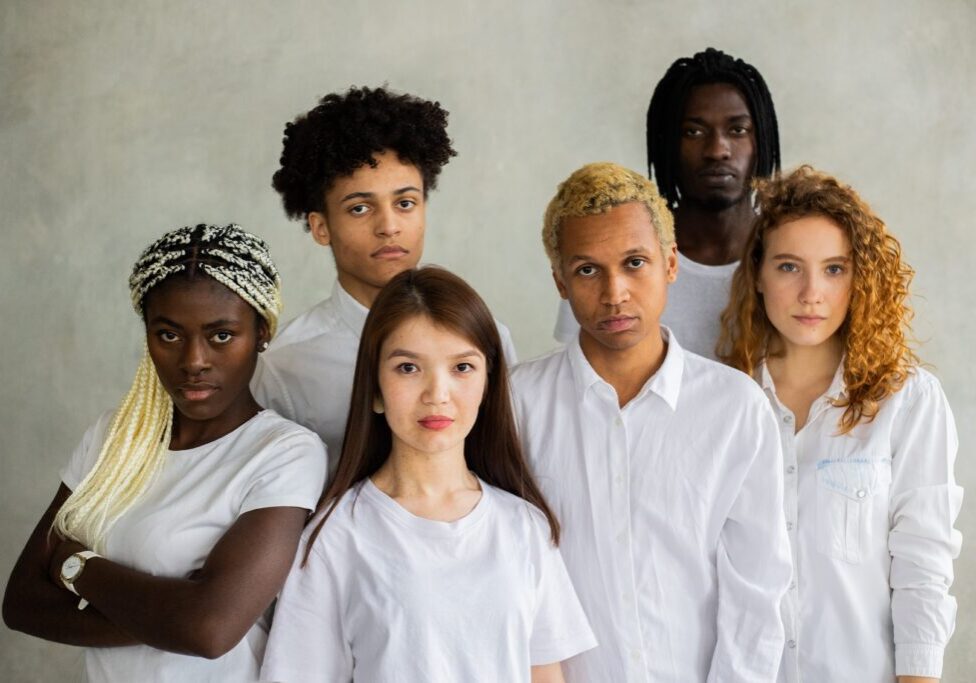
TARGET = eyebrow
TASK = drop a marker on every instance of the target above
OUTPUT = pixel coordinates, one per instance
(223, 322)
(794, 257)
(413, 356)
(370, 195)
(630, 252)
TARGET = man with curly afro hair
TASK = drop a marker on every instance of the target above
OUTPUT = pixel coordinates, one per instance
(356, 170)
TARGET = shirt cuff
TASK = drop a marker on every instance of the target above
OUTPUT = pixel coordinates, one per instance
(918, 660)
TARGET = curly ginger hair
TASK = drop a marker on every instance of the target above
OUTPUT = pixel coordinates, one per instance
(875, 332)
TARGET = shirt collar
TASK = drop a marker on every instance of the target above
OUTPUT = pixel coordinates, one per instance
(666, 382)
(351, 311)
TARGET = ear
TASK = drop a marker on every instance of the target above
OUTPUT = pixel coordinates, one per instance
(560, 285)
(264, 334)
(378, 407)
(319, 227)
(671, 262)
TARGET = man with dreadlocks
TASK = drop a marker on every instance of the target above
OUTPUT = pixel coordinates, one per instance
(166, 499)
(711, 128)
(356, 170)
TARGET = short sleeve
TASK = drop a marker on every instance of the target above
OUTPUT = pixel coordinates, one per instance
(269, 390)
(85, 455)
(291, 473)
(307, 642)
(560, 629)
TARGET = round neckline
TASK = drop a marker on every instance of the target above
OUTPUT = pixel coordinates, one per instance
(422, 525)
(210, 444)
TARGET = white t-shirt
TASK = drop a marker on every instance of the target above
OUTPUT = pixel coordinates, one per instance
(389, 596)
(307, 373)
(696, 300)
(870, 517)
(200, 492)
(673, 530)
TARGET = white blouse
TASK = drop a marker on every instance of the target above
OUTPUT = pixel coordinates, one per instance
(870, 517)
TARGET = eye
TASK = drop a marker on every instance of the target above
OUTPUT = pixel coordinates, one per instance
(406, 204)
(358, 209)
(636, 262)
(836, 269)
(222, 337)
(586, 271)
(739, 131)
(692, 132)
(464, 368)
(788, 267)
(167, 336)
(407, 368)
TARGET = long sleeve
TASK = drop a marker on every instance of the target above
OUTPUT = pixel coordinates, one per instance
(754, 566)
(925, 502)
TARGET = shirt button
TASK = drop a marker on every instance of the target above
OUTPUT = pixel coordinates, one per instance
(635, 655)
(618, 422)
(791, 644)
(789, 527)
(861, 493)
(793, 586)
(622, 537)
(618, 480)
(791, 469)
(788, 419)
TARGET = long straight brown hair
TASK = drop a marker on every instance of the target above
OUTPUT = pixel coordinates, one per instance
(491, 450)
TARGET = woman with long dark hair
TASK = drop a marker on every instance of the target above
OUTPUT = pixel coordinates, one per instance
(433, 554)
(819, 316)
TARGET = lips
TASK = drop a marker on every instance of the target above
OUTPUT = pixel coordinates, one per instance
(618, 323)
(389, 252)
(436, 422)
(809, 320)
(197, 391)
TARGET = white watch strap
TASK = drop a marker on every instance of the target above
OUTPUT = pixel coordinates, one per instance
(70, 585)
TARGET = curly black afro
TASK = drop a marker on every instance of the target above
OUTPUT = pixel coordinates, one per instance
(345, 131)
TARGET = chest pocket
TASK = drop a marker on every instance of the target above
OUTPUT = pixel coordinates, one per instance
(849, 497)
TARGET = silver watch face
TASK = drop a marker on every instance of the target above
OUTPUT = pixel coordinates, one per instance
(71, 567)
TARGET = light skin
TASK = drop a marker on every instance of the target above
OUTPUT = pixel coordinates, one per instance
(805, 280)
(615, 275)
(204, 345)
(432, 381)
(717, 162)
(374, 221)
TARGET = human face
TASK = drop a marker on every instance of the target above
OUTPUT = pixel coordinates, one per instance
(718, 147)
(615, 275)
(432, 381)
(204, 339)
(805, 280)
(374, 222)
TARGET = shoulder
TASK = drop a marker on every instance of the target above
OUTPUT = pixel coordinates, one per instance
(725, 385)
(323, 318)
(518, 515)
(337, 529)
(921, 387)
(538, 369)
(270, 427)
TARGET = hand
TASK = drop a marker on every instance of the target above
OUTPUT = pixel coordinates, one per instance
(62, 552)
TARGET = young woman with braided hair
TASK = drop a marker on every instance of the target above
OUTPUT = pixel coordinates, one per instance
(819, 316)
(180, 511)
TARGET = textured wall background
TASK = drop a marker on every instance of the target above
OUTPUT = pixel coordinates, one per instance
(120, 121)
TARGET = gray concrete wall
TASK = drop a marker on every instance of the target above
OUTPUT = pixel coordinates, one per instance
(119, 121)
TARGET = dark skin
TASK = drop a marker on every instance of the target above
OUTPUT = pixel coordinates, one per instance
(204, 340)
(718, 159)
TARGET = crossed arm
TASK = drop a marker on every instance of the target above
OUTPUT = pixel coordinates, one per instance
(205, 614)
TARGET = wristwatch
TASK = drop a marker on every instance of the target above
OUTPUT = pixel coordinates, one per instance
(71, 569)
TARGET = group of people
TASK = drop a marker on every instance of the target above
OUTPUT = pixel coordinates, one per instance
(734, 468)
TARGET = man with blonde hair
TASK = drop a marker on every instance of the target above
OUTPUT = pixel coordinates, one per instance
(663, 466)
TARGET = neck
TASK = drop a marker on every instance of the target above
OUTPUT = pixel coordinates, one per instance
(360, 291)
(626, 370)
(189, 433)
(713, 238)
(805, 365)
(408, 473)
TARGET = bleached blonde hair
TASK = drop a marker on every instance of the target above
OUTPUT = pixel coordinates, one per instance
(596, 188)
(137, 441)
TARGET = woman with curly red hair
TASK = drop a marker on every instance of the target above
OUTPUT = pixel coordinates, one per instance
(819, 316)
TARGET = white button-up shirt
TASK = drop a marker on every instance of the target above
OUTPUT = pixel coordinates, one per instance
(307, 373)
(870, 517)
(671, 511)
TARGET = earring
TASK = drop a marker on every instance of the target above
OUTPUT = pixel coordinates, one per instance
(378, 405)
(265, 345)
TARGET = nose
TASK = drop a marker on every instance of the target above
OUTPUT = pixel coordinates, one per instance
(437, 391)
(615, 290)
(717, 146)
(387, 222)
(812, 290)
(196, 357)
